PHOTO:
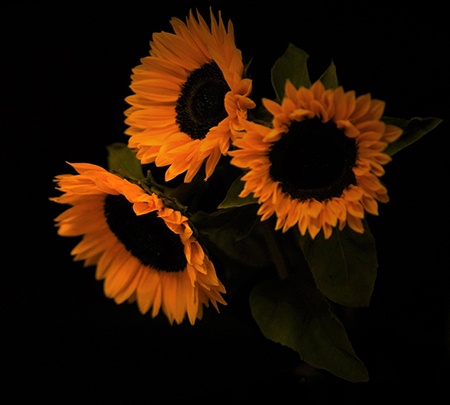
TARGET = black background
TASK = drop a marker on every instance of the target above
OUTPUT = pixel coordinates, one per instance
(65, 73)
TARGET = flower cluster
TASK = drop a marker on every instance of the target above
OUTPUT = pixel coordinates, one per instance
(276, 191)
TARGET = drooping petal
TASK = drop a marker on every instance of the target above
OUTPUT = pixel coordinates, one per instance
(115, 218)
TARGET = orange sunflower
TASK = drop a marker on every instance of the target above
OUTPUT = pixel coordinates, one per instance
(318, 165)
(189, 97)
(143, 250)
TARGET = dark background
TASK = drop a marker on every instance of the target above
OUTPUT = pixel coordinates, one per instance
(65, 73)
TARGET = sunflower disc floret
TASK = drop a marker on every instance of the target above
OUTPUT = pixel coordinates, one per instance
(318, 164)
(190, 96)
(144, 251)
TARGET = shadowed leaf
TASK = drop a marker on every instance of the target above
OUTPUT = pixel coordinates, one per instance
(291, 65)
(413, 130)
(344, 266)
(294, 313)
(232, 198)
(122, 160)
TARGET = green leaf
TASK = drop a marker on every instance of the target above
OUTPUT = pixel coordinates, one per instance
(122, 160)
(237, 221)
(329, 77)
(234, 231)
(291, 65)
(413, 130)
(294, 313)
(344, 266)
(232, 198)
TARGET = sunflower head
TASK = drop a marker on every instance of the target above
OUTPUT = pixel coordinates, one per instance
(318, 164)
(190, 96)
(311, 160)
(142, 249)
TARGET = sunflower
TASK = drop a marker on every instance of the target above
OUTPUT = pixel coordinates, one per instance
(318, 165)
(189, 97)
(143, 250)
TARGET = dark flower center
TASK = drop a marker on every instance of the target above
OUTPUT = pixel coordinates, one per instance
(313, 160)
(146, 236)
(201, 103)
